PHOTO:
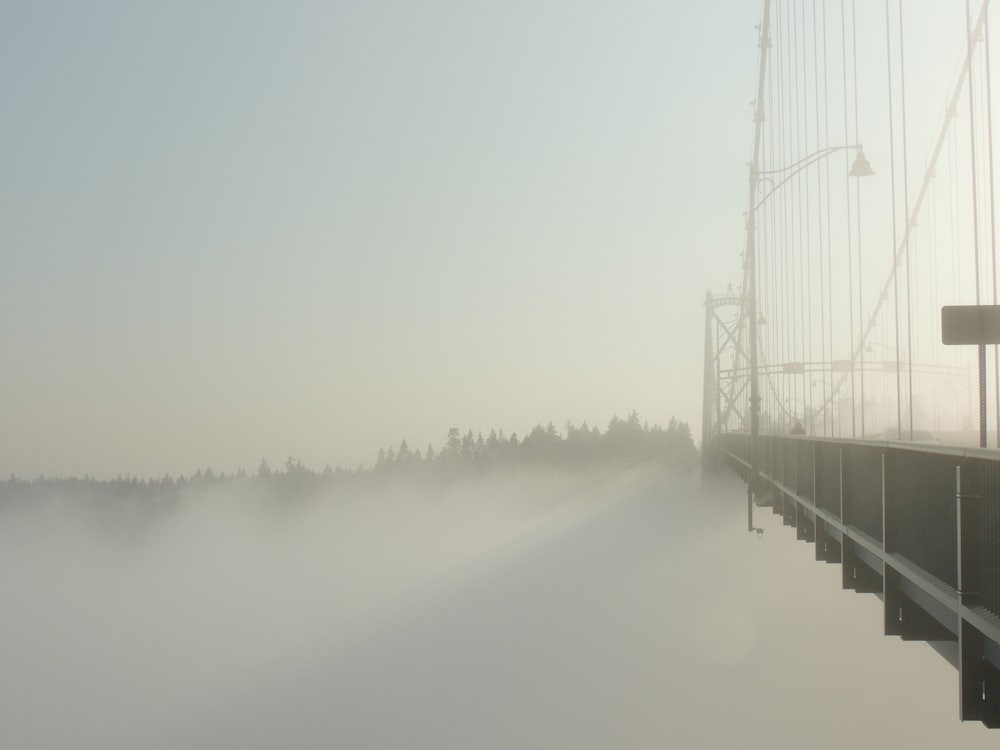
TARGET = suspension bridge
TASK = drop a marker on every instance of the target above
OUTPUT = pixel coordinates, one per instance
(831, 385)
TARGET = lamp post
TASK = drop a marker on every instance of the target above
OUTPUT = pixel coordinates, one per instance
(860, 168)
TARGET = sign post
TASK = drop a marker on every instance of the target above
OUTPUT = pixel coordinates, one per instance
(973, 324)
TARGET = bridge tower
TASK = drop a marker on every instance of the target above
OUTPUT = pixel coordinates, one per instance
(724, 390)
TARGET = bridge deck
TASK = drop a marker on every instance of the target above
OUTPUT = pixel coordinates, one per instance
(919, 525)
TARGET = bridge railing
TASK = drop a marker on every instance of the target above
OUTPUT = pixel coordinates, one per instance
(918, 523)
(981, 517)
(901, 494)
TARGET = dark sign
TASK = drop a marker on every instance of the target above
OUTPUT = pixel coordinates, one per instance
(970, 324)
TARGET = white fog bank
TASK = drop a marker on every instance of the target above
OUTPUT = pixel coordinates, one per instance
(540, 612)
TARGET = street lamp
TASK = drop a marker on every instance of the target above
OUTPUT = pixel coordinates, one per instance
(860, 168)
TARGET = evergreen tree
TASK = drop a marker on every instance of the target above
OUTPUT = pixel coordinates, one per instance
(263, 470)
(468, 449)
(453, 447)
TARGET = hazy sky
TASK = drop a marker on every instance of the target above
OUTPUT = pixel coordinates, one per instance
(247, 229)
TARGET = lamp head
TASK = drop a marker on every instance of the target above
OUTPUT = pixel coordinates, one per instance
(861, 166)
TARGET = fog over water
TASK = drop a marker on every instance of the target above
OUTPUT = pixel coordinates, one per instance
(541, 610)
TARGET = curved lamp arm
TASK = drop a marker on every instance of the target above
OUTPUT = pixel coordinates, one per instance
(860, 168)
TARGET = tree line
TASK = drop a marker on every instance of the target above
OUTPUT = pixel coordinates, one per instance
(624, 441)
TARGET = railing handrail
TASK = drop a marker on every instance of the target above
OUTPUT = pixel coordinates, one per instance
(941, 449)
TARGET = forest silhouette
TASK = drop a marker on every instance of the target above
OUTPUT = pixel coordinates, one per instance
(462, 456)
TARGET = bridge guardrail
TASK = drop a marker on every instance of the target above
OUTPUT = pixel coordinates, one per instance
(917, 523)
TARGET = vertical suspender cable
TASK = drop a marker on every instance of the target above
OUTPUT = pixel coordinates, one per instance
(801, 212)
(782, 320)
(857, 202)
(935, 295)
(773, 341)
(806, 248)
(797, 317)
(786, 207)
(834, 422)
(906, 206)
(956, 233)
(892, 178)
(760, 254)
(847, 181)
(993, 223)
(819, 216)
(975, 224)
(771, 306)
(784, 140)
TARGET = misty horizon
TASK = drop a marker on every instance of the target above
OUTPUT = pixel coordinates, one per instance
(456, 445)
